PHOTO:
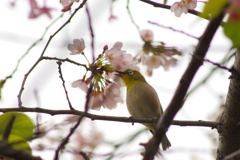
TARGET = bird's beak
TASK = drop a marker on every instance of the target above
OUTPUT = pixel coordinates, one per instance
(119, 73)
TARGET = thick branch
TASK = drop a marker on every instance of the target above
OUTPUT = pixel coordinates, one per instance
(93, 117)
(8, 150)
(178, 98)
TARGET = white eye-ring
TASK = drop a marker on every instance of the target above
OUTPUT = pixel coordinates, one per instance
(130, 72)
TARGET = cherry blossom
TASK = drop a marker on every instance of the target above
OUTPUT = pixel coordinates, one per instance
(147, 35)
(80, 84)
(154, 61)
(178, 8)
(119, 59)
(191, 4)
(111, 96)
(77, 47)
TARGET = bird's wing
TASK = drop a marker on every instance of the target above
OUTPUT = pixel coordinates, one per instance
(143, 101)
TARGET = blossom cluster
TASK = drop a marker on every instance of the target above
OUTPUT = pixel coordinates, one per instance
(182, 7)
(105, 85)
(156, 55)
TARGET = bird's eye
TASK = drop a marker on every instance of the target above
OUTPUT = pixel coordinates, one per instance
(130, 72)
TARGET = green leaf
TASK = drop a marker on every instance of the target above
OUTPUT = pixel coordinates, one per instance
(213, 8)
(231, 30)
(22, 126)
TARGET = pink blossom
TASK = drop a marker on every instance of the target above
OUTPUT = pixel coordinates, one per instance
(80, 84)
(37, 11)
(178, 8)
(112, 96)
(67, 4)
(77, 47)
(152, 62)
(147, 35)
(95, 102)
(119, 59)
(155, 61)
(191, 4)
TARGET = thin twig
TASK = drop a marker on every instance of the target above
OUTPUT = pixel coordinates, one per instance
(131, 17)
(175, 30)
(63, 83)
(93, 117)
(40, 57)
(65, 60)
(66, 139)
(204, 80)
(91, 31)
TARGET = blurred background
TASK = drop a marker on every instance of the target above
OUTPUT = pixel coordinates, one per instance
(111, 23)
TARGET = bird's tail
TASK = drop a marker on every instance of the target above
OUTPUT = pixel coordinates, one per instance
(165, 143)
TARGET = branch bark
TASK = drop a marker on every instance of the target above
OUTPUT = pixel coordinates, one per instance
(229, 132)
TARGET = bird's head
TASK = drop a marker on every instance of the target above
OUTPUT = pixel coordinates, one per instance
(130, 77)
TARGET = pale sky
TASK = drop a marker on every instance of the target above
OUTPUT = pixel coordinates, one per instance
(18, 33)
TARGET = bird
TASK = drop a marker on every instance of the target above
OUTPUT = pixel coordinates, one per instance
(142, 100)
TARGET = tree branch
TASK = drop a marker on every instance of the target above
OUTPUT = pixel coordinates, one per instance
(63, 83)
(178, 98)
(93, 117)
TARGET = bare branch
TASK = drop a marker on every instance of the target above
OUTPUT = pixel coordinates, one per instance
(91, 31)
(63, 83)
(175, 30)
(93, 117)
(66, 139)
(65, 60)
